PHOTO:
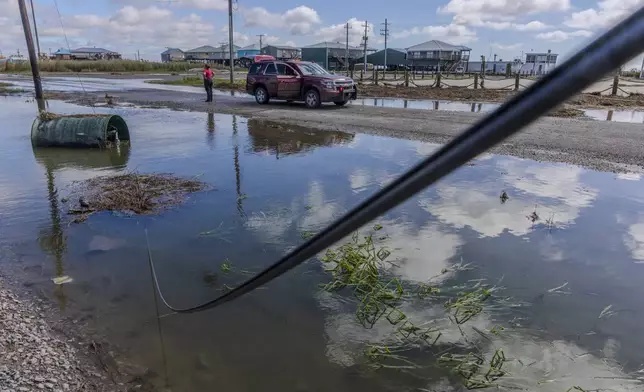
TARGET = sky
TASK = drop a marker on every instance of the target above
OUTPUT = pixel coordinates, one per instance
(506, 28)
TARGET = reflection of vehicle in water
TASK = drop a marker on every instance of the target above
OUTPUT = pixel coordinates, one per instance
(298, 81)
(290, 140)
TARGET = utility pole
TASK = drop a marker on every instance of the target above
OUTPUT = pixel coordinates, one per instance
(347, 27)
(230, 41)
(138, 55)
(642, 69)
(385, 33)
(33, 60)
(365, 39)
(260, 42)
(33, 14)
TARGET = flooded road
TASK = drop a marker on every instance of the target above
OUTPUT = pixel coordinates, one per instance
(97, 84)
(560, 270)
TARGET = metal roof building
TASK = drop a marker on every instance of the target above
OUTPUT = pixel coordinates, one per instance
(331, 55)
(437, 54)
(172, 54)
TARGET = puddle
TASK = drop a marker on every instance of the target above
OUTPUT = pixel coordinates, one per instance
(630, 116)
(272, 185)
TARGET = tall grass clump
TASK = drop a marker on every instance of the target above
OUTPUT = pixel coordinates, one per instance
(102, 66)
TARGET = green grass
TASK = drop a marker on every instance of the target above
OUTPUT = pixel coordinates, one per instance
(6, 89)
(100, 66)
(197, 81)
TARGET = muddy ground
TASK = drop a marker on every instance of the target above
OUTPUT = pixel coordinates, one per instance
(599, 145)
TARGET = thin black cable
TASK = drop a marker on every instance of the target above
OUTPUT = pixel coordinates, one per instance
(602, 56)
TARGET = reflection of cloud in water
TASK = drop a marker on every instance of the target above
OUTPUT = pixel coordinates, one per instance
(321, 211)
(359, 180)
(634, 240)
(481, 209)
(270, 227)
(629, 176)
(420, 254)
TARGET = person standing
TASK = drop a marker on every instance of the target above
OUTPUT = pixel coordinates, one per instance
(207, 82)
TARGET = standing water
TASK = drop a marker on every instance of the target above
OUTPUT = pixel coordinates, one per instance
(565, 252)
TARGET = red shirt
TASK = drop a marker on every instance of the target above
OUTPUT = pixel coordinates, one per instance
(207, 74)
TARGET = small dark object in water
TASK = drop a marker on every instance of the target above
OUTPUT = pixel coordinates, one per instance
(533, 217)
(504, 197)
(82, 202)
(63, 200)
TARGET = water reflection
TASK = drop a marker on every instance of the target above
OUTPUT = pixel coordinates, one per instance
(292, 324)
(287, 140)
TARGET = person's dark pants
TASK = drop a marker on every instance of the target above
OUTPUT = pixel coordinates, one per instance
(208, 86)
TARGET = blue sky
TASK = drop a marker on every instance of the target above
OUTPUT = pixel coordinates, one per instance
(503, 27)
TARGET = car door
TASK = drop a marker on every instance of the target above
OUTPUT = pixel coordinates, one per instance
(270, 79)
(288, 82)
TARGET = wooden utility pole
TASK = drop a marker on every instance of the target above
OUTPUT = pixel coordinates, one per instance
(365, 40)
(260, 42)
(347, 27)
(33, 60)
(230, 41)
(385, 33)
(33, 14)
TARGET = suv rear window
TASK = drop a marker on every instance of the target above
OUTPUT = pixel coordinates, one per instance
(254, 69)
(270, 69)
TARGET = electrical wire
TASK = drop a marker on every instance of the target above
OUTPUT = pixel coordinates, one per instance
(60, 18)
(605, 54)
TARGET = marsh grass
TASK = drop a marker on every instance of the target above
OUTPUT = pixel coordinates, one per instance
(102, 66)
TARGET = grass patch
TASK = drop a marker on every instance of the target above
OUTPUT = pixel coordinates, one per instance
(197, 81)
(101, 66)
(48, 116)
(6, 89)
(132, 192)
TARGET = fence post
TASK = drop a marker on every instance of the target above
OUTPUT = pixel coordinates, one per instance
(361, 74)
(351, 73)
(422, 73)
(516, 82)
(406, 77)
(476, 81)
(375, 76)
(482, 81)
(615, 84)
(438, 80)
(396, 74)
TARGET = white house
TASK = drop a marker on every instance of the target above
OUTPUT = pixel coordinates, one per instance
(539, 63)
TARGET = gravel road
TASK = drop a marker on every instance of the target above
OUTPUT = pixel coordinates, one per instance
(599, 145)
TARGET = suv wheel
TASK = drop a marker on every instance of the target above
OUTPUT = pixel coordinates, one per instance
(261, 95)
(312, 99)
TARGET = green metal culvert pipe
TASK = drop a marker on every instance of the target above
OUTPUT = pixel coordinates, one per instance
(78, 131)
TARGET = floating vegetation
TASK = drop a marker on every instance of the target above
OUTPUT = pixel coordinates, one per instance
(132, 192)
(220, 233)
(504, 197)
(49, 116)
(307, 234)
(226, 266)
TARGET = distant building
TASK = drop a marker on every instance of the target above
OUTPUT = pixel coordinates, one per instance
(539, 63)
(435, 55)
(494, 67)
(211, 54)
(395, 58)
(249, 51)
(332, 55)
(282, 52)
(94, 54)
(172, 54)
(62, 54)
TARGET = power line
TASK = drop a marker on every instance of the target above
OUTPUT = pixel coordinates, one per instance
(385, 33)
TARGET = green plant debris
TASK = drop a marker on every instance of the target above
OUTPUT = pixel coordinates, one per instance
(308, 207)
(220, 233)
(358, 267)
(307, 234)
(226, 266)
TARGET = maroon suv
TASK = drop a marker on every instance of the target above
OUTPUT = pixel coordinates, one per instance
(298, 81)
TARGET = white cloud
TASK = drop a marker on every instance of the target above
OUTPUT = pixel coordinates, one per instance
(559, 36)
(634, 241)
(606, 14)
(499, 46)
(297, 21)
(477, 21)
(454, 33)
(337, 32)
(500, 9)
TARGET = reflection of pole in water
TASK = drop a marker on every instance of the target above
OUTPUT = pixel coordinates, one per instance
(405, 103)
(435, 105)
(473, 106)
(609, 116)
(480, 105)
(210, 127)
(55, 243)
(240, 197)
